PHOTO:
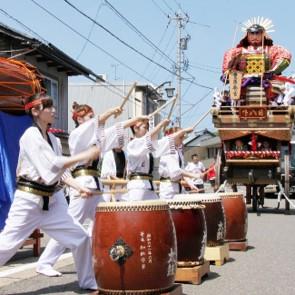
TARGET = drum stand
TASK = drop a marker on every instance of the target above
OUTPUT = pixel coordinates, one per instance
(192, 275)
(218, 254)
(238, 246)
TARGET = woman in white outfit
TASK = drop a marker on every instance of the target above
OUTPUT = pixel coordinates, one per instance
(171, 170)
(38, 203)
(140, 153)
(89, 128)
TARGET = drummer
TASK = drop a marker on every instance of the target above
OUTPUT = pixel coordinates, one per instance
(171, 170)
(39, 202)
(140, 158)
(113, 168)
(89, 129)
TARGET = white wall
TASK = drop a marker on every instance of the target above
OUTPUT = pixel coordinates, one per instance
(100, 98)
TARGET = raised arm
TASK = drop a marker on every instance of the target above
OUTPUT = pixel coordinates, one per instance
(155, 132)
(111, 112)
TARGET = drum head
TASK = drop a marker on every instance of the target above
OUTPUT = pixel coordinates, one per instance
(150, 205)
(206, 198)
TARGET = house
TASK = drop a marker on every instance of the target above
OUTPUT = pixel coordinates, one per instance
(53, 64)
(204, 143)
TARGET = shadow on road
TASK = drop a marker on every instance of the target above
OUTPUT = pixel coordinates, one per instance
(271, 210)
(211, 276)
(70, 287)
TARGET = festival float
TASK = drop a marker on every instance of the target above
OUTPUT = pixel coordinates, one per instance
(254, 114)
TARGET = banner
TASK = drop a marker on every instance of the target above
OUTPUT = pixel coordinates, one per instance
(11, 129)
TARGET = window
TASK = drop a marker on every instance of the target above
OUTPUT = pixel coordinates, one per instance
(51, 86)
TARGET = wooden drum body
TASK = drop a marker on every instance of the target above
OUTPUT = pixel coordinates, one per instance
(236, 216)
(214, 215)
(191, 233)
(134, 247)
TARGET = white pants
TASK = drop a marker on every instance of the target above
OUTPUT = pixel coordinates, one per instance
(139, 190)
(25, 216)
(80, 209)
(168, 189)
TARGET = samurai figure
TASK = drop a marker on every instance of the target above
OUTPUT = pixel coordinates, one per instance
(259, 60)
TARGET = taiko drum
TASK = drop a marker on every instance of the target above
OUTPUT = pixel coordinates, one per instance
(236, 216)
(214, 215)
(191, 233)
(134, 247)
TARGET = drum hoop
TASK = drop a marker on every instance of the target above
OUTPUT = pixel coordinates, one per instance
(231, 195)
(185, 204)
(132, 206)
(132, 292)
(200, 198)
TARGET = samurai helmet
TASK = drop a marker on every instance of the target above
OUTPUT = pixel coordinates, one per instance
(258, 24)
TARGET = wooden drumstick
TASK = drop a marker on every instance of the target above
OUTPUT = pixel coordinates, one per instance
(162, 107)
(201, 119)
(171, 111)
(128, 95)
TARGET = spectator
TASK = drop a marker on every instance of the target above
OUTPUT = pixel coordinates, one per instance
(197, 167)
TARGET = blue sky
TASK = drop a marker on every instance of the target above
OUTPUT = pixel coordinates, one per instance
(210, 37)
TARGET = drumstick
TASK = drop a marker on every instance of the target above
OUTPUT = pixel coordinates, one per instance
(201, 119)
(172, 107)
(171, 111)
(161, 107)
(127, 96)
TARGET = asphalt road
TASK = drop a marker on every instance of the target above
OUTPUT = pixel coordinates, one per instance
(268, 267)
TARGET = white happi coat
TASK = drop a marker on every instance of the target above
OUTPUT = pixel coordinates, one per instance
(197, 169)
(138, 161)
(169, 168)
(81, 138)
(39, 162)
(108, 170)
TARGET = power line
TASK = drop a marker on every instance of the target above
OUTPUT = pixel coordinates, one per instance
(159, 7)
(116, 37)
(91, 42)
(90, 32)
(139, 33)
(26, 27)
(196, 103)
(155, 52)
(129, 46)
(41, 38)
(204, 69)
(166, 4)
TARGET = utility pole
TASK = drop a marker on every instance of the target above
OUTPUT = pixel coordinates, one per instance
(181, 20)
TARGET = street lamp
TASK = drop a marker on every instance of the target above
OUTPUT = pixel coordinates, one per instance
(169, 90)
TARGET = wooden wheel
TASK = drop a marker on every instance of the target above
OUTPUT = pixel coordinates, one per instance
(287, 180)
